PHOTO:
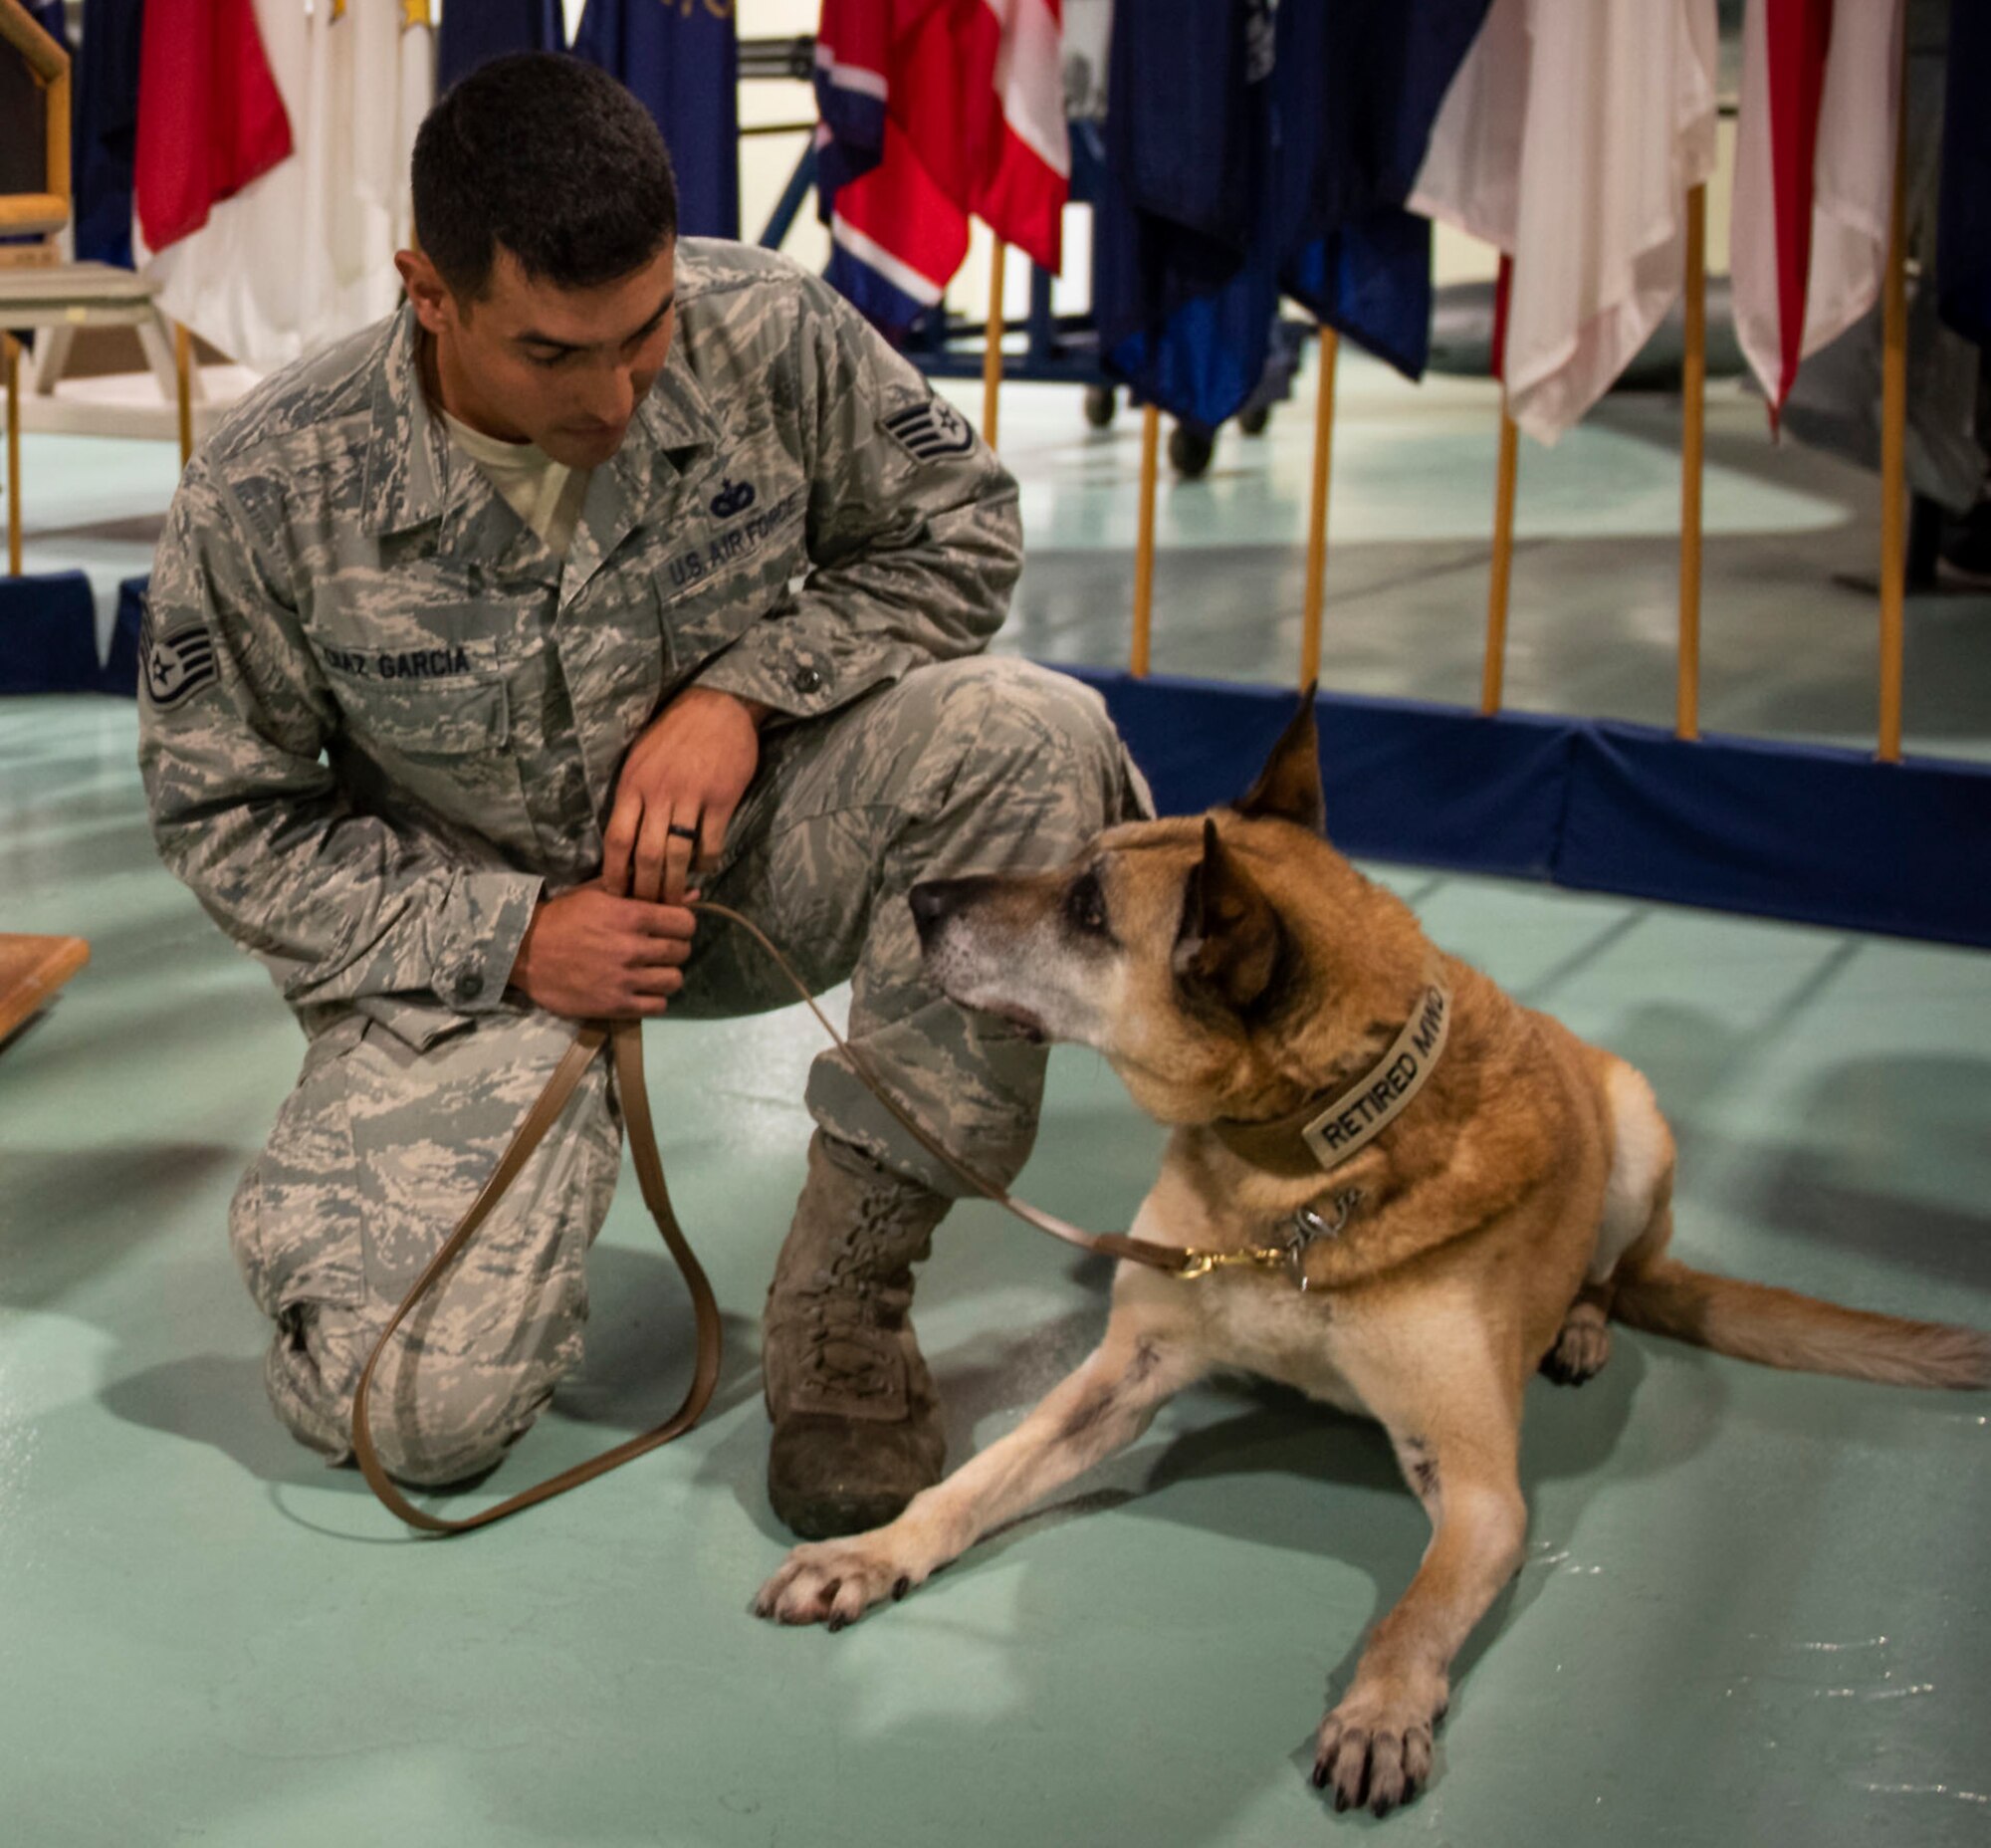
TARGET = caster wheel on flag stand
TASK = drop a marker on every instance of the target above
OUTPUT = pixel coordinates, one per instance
(1101, 401)
(1253, 423)
(1190, 450)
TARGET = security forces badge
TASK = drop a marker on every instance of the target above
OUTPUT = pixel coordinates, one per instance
(177, 665)
(929, 431)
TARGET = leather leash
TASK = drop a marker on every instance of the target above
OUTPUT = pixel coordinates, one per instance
(627, 1039)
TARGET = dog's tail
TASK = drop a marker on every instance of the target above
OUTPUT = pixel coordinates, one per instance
(1780, 1328)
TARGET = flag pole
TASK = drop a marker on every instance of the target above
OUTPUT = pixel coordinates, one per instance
(992, 350)
(1694, 427)
(1893, 450)
(1144, 545)
(1503, 563)
(1323, 462)
(183, 380)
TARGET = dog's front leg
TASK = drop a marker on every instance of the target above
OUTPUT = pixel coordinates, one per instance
(1102, 1407)
(1458, 1441)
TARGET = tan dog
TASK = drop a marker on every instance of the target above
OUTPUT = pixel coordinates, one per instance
(1487, 1191)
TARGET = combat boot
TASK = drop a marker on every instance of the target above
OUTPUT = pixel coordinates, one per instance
(858, 1427)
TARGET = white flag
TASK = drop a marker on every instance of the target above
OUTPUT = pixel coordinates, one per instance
(1569, 139)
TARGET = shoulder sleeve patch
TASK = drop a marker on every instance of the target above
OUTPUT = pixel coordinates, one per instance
(178, 665)
(931, 432)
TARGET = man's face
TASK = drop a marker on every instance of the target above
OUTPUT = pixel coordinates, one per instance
(529, 361)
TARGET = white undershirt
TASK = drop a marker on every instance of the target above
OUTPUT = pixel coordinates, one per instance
(544, 494)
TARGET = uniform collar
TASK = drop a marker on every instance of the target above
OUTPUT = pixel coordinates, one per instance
(413, 480)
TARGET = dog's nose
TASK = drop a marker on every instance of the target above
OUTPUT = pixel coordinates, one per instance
(931, 901)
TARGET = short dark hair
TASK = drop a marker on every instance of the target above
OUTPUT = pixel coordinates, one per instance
(552, 158)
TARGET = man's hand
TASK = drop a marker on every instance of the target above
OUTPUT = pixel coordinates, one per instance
(590, 956)
(682, 781)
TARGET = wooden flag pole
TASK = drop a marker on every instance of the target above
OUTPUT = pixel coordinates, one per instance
(1894, 452)
(10, 362)
(1144, 545)
(184, 378)
(1694, 427)
(1503, 563)
(992, 350)
(1323, 462)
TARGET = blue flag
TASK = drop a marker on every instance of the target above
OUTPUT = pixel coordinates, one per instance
(1255, 152)
(682, 60)
(473, 32)
(48, 14)
(1963, 213)
(105, 135)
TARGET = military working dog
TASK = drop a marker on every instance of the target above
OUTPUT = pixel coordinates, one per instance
(1467, 1190)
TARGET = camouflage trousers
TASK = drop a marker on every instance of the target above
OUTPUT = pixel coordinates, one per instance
(974, 765)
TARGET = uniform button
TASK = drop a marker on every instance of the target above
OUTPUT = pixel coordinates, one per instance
(805, 680)
(469, 984)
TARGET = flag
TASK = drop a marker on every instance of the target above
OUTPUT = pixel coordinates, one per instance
(210, 119)
(369, 82)
(1963, 212)
(1569, 139)
(1255, 152)
(933, 111)
(1814, 175)
(683, 64)
(304, 256)
(473, 32)
(105, 130)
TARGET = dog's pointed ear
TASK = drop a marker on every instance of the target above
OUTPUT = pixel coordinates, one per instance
(1288, 788)
(1230, 937)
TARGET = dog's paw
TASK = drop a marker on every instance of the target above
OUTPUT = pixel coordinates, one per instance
(1581, 1349)
(836, 1581)
(1376, 1748)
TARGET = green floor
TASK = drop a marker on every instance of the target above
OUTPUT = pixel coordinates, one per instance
(1755, 1609)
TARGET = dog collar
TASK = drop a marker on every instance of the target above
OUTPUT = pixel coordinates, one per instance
(1334, 1130)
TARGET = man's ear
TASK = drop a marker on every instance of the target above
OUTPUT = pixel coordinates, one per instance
(426, 289)
(1229, 939)
(1288, 788)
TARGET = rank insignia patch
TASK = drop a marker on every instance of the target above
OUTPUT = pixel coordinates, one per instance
(178, 665)
(931, 432)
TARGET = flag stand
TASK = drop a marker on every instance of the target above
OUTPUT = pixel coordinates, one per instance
(1144, 545)
(1693, 429)
(10, 363)
(183, 377)
(1323, 461)
(1893, 450)
(1503, 563)
(992, 350)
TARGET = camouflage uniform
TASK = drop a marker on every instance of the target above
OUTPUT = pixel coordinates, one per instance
(380, 718)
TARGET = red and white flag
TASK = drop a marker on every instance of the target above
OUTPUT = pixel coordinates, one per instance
(210, 119)
(1814, 177)
(935, 110)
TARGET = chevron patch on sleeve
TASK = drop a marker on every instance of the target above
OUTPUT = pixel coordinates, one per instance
(930, 432)
(178, 665)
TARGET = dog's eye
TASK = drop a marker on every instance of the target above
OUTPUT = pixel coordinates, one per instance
(1086, 905)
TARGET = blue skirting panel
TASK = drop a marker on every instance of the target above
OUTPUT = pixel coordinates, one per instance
(48, 634)
(121, 666)
(1807, 833)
